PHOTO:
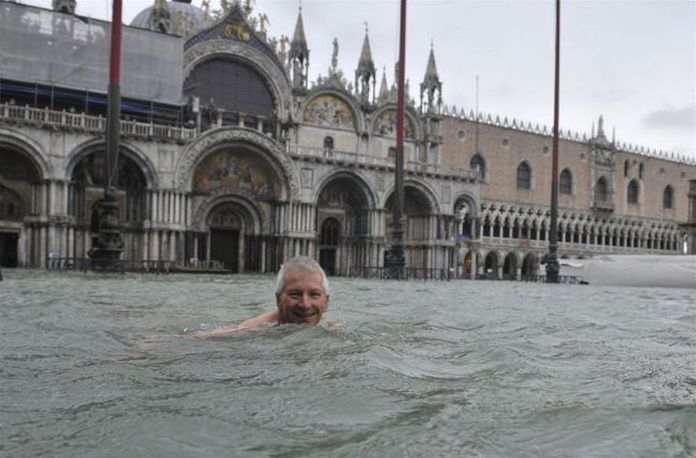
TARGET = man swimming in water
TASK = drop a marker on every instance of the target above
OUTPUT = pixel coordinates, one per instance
(302, 297)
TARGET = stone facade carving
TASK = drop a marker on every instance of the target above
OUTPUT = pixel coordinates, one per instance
(232, 135)
(385, 124)
(329, 111)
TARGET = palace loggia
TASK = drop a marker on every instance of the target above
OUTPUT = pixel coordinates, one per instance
(230, 153)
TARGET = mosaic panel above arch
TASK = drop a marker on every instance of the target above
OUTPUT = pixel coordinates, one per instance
(385, 124)
(329, 111)
(238, 171)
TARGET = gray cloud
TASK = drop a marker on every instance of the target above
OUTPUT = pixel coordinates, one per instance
(680, 119)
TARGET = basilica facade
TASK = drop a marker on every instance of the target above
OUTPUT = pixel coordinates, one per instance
(229, 153)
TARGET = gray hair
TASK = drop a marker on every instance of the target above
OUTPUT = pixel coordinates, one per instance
(304, 263)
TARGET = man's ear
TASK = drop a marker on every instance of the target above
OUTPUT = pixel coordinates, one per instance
(277, 299)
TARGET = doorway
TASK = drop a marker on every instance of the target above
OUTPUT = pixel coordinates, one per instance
(328, 244)
(9, 242)
(327, 260)
(224, 247)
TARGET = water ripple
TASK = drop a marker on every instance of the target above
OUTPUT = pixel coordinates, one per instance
(106, 366)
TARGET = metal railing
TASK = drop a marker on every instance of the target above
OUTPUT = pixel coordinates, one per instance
(64, 264)
(410, 273)
(565, 279)
(88, 264)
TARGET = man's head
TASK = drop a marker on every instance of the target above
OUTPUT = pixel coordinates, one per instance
(302, 291)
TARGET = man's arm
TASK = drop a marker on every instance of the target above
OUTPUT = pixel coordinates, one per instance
(265, 318)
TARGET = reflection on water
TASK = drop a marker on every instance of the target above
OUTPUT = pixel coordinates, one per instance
(105, 366)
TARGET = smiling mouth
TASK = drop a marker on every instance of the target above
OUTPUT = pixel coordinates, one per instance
(302, 314)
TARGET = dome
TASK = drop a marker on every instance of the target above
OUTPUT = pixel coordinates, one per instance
(186, 18)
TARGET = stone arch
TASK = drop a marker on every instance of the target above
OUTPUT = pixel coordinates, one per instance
(424, 188)
(486, 224)
(381, 125)
(350, 175)
(347, 197)
(497, 226)
(530, 266)
(234, 225)
(216, 139)
(343, 203)
(466, 262)
(469, 200)
(250, 211)
(20, 143)
(511, 263)
(525, 227)
(491, 262)
(85, 172)
(12, 206)
(507, 225)
(465, 214)
(574, 229)
(317, 96)
(274, 77)
(94, 145)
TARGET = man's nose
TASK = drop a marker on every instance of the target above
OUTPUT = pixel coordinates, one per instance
(305, 300)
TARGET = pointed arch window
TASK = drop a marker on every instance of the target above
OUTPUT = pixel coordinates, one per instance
(667, 197)
(641, 170)
(601, 191)
(632, 192)
(626, 168)
(566, 182)
(478, 165)
(524, 176)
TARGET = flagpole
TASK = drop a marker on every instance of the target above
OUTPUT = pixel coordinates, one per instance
(395, 261)
(552, 266)
(107, 250)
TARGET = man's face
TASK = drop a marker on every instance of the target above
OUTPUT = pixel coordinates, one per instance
(302, 299)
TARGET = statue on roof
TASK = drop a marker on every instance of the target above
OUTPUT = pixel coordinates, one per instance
(263, 22)
(334, 55)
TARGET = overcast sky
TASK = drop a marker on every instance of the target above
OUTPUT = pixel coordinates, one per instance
(634, 61)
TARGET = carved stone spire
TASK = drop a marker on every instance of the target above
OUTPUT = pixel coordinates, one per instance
(365, 75)
(600, 138)
(431, 86)
(161, 20)
(65, 6)
(383, 87)
(299, 55)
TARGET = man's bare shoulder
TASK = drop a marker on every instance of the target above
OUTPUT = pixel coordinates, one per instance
(252, 323)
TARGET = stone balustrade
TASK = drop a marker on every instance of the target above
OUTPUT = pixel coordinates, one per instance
(92, 124)
(336, 156)
(97, 124)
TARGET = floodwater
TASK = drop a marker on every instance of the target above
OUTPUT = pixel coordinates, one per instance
(466, 368)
